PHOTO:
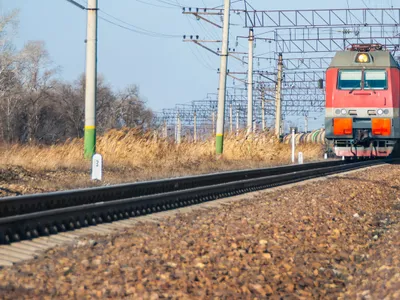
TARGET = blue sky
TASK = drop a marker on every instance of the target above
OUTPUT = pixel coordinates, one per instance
(167, 70)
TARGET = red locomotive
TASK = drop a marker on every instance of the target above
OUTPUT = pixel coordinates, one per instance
(362, 102)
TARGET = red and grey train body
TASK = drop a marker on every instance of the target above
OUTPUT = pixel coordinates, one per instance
(362, 102)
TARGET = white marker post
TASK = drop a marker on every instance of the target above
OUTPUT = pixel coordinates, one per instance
(97, 167)
(300, 158)
(326, 156)
(293, 145)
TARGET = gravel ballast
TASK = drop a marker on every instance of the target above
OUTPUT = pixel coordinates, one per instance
(326, 239)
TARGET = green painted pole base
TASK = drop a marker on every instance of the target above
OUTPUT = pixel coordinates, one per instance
(219, 143)
(90, 142)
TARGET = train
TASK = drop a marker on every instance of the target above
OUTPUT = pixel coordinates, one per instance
(315, 137)
(362, 91)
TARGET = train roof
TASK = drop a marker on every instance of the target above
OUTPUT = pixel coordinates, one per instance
(380, 59)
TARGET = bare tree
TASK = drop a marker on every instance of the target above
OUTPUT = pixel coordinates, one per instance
(131, 108)
(10, 104)
(105, 102)
(70, 98)
(10, 88)
(34, 107)
(36, 75)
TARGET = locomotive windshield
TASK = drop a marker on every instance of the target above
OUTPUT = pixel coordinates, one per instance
(358, 79)
(375, 79)
(350, 79)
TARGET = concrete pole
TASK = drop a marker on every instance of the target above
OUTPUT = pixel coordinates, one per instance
(194, 127)
(230, 119)
(165, 130)
(179, 131)
(176, 129)
(237, 122)
(263, 110)
(155, 135)
(213, 122)
(91, 81)
(219, 143)
(278, 116)
(293, 145)
(250, 84)
(305, 123)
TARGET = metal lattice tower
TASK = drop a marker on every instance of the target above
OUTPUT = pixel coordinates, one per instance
(307, 39)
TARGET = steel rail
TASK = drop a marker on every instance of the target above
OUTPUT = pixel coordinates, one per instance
(10, 206)
(25, 226)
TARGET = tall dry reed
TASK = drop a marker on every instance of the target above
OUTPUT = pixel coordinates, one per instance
(130, 149)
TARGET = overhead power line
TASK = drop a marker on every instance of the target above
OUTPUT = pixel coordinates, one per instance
(134, 28)
(156, 5)
(169, 3)
(233, 2)
(159, 35)
(76, 4)
(126, 25)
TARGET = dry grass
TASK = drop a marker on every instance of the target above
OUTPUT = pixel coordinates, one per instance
(130, 155)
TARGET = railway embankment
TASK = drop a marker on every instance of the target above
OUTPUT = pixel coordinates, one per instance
(333, 238)
(130, 156)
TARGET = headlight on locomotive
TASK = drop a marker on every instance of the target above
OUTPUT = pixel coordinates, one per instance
(363, 58)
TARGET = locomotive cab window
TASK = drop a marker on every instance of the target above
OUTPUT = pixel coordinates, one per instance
(350, 79)
(375, 79)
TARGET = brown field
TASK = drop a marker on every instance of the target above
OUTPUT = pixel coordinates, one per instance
(130, 155)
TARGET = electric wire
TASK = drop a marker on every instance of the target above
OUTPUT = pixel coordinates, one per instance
(129, 26)
(170, 3)
(202, 61)
(213, 31)
(140, 30)
(233, 2)
(209, 63)
(155, 5)
(135, 28)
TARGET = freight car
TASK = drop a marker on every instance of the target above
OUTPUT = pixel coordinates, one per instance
(315, 137)
(362, 102)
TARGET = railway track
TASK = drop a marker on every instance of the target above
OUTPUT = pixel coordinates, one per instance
(31, 216)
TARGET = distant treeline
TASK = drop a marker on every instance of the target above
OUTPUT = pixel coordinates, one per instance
(37, 107)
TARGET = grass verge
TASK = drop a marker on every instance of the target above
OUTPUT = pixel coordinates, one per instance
(130, 155)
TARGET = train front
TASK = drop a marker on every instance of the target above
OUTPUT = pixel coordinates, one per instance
(362, 102)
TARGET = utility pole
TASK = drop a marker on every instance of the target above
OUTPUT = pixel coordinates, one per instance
(176, 129)
(305, 123)
(222, 80)
(293, 145)
(213, 122)
(278, 116)
(165, 130)
(250, 84)
(155, 135)
(91, 81)
(237, 122)
(179, 130)
(194, 127)
(230, 119)
(263, 109)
